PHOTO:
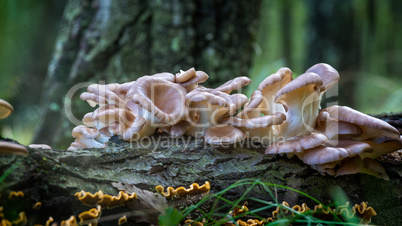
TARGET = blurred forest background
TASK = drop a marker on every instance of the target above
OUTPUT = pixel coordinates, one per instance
(48, 46)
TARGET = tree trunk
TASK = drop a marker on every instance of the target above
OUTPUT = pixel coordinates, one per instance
(54, 176)
(118, 41)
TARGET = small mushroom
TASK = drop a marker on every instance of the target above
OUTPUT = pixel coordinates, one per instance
(191, 78)
(5, 109)
(12, 148)
(88, 137)
(40, 146)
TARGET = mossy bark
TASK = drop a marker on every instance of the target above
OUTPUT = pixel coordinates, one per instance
(54, 176)
(119, 41)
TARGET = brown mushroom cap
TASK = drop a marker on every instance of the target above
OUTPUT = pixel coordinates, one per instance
(372, 128)
(356, 165)
(12, 148)
(234, 84)
(297, 144)
(165, 100)
(261, 122)
(380, 149)
(184, 76)
(192, 83)
(326, 154)
(223, 134)
(328, 74)
(5, 109)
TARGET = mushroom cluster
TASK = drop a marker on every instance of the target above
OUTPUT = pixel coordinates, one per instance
(283, 113)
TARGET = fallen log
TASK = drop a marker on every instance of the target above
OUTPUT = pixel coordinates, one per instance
(52, 177)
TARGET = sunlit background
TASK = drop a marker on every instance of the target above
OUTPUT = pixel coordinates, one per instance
(360, 38)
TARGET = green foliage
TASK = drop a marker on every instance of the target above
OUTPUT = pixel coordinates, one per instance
(171, 217)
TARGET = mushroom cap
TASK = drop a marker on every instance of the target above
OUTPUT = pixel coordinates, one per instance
(234, 84)
(326, 154)
(169, 77)
(270, 87)
(356, 165)
(211, 97)
(223, 134)
(12, 148)
(276, 81)
(102, 94)
(82, 130)
(184, 76)
(337, 129)
(297, 144)
(308, 80)
(199, 77)
(40, 146)
(380, 149)
(250, 109)
(165, 100)
(372, 128)
(252, 123)
(238, 100)
(5, 109)
(328, 74)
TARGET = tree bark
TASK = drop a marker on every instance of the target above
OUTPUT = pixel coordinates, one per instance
(119, 41)
(54, 176)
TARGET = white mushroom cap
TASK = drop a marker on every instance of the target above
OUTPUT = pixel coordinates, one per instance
(88, 137)
(5, 109)
(12, 148)
(40, 146)
(223, 134)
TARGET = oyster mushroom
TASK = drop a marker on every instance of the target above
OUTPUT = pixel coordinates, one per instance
(371, 128)
(12, 148)
(5, 109)
(87, 138)
(209, 107)
(191, 78)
